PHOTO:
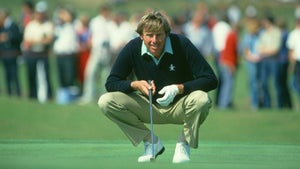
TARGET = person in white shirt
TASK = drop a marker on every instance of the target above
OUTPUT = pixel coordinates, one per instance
(122, 33)
(66, 47)
(38, 35)
(268, 47)
(100, 57)
(197, 31)
(220, 31)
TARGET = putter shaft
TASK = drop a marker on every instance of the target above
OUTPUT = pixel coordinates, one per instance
(151, 121)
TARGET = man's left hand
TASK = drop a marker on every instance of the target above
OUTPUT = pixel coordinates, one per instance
(169, 94)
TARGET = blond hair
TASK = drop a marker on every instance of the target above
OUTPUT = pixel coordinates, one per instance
(153, 21)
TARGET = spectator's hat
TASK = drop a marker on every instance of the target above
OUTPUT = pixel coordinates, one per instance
(251, 11)
(234, 14)
(41, 7)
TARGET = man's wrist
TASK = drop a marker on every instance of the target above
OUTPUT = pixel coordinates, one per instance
(133, 85)
(180, 88)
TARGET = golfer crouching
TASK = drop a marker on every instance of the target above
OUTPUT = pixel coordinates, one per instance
(180, 79)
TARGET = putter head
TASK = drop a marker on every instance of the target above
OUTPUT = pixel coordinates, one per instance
(152, 159)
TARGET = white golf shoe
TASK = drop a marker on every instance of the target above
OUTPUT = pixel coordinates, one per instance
(158, 150)
(182, 153)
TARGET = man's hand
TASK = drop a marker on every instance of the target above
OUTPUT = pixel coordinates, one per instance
(3, 37)
(169, 94)
(143, 86)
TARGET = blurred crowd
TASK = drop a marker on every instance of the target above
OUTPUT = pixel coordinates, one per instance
(85, 47)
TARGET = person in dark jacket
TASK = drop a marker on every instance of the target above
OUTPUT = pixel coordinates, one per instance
(180, 79)
(10, 40)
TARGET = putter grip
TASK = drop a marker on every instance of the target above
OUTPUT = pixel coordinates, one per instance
(150, 90)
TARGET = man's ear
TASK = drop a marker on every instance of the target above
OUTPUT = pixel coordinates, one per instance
(141, 37)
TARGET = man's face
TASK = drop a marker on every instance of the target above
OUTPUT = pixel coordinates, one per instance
(39, 16)
(154, 41)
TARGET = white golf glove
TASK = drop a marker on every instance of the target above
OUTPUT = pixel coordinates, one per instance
(170, 92)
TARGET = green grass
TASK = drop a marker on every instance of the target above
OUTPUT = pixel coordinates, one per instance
(51, 136)
(25, 119)
(53, 154)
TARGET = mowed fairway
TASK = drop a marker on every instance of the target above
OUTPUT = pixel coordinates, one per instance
(58, 154)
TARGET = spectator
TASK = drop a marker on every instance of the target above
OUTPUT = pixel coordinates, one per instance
(26, 13)
(294, 52)
(100, 57)
(268, 46)
(38, 36)
(252, 57)
(66, 47)
(133, 21)
(220, 32)
(228, 62)
(10, 40)
(83, 33)
(122, 33)
(197, 31)
(284, 97)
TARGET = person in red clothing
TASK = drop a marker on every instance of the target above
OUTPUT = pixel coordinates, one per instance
(228, 64)
(27, 13)
(229, 56)
(83, 33)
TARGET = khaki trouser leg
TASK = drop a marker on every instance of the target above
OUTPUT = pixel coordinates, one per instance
(196, 106)
(131, 111)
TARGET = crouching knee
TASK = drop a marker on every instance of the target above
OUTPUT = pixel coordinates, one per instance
(112, 102)
(104, 102)
(199, 99)
(198, 103)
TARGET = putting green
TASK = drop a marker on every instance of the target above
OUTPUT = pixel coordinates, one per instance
(83, 154)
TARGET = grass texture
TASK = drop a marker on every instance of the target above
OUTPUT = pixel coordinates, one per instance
(75, 154)
(51, 136)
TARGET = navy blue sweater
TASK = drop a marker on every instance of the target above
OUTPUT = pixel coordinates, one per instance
(14, 38)
(190, 68)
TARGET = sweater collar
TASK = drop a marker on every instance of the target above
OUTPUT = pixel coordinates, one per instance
(167, 49)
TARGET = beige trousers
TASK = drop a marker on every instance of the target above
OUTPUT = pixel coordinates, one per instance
(131, 111)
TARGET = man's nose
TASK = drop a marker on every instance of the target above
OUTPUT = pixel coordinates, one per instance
(154, 38)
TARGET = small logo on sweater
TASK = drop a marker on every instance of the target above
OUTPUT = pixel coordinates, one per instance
(172, 68)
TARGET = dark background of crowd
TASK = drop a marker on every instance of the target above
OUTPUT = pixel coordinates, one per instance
(65, 73)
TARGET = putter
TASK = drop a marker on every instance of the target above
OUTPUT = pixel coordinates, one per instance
(151, 122)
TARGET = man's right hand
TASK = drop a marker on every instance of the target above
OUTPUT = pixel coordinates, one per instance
(143, 86)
